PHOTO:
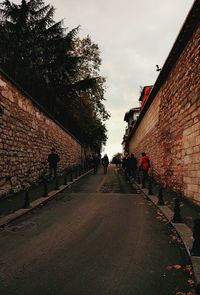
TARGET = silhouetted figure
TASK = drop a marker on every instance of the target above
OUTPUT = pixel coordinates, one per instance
(126, 166)
(105, 163)
(195, 251)
(53, 160)
(133, 166)
(89, 161)
(96, 162)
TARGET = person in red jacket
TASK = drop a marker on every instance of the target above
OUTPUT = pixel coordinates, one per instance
(144, 166)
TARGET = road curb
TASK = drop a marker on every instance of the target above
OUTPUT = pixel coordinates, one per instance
(182, 230)
(38, 202)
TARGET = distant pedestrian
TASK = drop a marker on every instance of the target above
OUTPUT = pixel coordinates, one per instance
(133, 166)
(105, 163)
(126, 166)
(53, 159)
(118, 161)
(89, 161)
(144, 167)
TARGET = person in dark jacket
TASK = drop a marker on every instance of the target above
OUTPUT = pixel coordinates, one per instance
(126, 166)
(53, 160)
(133, 166)
(105, 163)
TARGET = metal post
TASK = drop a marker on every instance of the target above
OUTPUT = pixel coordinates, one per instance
(160, 198)
(57, 184)
(143, 181)
(45, 190)
(65, 177)
(150, 192)
(71, 175)
(26, 199)
(138, 177)
(76, 174)
(177, 216)
(195, 251)
(80, 171)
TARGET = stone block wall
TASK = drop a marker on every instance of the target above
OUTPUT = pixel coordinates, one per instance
(173, 139)
(26, 136)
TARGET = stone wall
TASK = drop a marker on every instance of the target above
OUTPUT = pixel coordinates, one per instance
(169, 132)
(26, 136)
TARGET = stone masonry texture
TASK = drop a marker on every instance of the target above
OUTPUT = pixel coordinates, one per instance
(169, 132)
(26, 137)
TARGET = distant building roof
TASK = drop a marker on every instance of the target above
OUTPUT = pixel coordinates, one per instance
(130, 113)
(145, 92)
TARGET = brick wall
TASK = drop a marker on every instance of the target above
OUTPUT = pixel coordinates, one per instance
(170, 129)
(26, 137)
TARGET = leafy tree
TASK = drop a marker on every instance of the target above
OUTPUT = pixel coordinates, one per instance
(92, 98)
(60, 70)
(35, 51)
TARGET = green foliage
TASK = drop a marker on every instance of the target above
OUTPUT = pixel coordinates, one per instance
(59, 70)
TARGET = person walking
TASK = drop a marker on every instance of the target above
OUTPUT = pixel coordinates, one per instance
(105, 163)
(96, 162)
(118, 161)
(144, 167)
(133, 166)
(126, 166)
(53, 159)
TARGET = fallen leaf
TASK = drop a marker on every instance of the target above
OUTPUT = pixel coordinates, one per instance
(185, 293)
(188, 269)
(177, 266)
(190, 282)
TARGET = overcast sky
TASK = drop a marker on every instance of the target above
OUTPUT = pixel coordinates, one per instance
(133, 36)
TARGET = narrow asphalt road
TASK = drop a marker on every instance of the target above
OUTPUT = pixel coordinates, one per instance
(99, 237)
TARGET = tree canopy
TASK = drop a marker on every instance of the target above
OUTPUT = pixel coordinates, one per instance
(58, 68)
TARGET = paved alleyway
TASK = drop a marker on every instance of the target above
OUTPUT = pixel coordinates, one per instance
(98, 237)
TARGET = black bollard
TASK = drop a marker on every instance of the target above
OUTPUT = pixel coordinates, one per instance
(177, 215)
(138, 178)
(65, 177)
(150, 192)
(76, 172)
(197, 289)
(45, 194)
(143, 182)
(160, 198)
(57, 184)
(71, 175)
(195, 251)
(26, 200)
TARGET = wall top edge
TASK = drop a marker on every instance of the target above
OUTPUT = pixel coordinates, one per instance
(189, 26)
(35, 103)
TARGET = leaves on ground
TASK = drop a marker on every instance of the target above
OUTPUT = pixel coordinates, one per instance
(176, 238)
(175, 266)
(188, 269)
(160, 216)
(192, 292)
(190, 282)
